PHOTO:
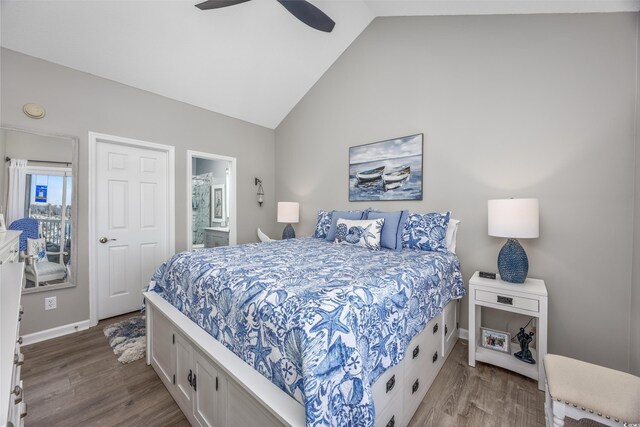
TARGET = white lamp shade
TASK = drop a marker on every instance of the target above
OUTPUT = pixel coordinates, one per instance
(514, 218)
(288, 212)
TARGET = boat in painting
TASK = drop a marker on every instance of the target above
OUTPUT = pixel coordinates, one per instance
(396, 178)
(370, 174)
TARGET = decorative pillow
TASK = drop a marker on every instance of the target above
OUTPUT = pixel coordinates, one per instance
(335, 215)
(391, 236)
(365, 233)
(426, 231)
(323, 224)
(37, 248)
(452, 234)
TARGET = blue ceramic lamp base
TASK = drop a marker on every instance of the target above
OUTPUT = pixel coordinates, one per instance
(288, 232)
(513, 264)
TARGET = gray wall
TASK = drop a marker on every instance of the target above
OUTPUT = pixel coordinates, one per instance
(77, 103)
(634, 333)
(24, 145)
(524, 106)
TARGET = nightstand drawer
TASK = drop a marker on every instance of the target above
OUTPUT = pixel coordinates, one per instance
(528, 304)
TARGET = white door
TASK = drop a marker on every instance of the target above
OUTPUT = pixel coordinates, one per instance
(131, 223)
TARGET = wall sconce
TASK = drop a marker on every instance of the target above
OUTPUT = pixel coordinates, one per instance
(260, 191)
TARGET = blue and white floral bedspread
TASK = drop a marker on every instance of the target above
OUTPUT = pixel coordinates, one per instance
(321, 321)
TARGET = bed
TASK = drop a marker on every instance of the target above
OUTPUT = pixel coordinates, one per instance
(322, 322)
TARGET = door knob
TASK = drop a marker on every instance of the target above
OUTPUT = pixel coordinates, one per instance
(104, 240)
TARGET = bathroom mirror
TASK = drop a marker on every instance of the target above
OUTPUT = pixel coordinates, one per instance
(211, 190)
(39, 196)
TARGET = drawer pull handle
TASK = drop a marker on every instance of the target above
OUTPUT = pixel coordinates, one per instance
(415, 386)
(416, 351)
(391, 383)
(190, 378)
(17, 390)
(392, 421)
(505, 300)
(435, 357)
(18, 359)
(446, 330)
(21, 310)
(435, 328)
(195, 384)
(20, 340)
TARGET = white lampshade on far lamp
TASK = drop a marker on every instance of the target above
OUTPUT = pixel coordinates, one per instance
(513, 219)
(288, 213)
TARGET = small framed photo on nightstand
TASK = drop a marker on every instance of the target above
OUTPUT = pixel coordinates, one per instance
(495, 340)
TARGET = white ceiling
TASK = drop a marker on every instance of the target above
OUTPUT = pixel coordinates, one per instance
(253, 61)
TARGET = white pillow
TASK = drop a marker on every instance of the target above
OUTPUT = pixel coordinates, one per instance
(359, 232)
(452, 234)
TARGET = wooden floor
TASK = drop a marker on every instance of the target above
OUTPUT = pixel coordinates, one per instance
(482, 396)
(76, 380)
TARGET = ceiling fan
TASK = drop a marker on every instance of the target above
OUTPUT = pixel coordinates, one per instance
(301, 9)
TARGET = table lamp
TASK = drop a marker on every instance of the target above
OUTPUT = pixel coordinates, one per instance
(288, 213)
(513, 219)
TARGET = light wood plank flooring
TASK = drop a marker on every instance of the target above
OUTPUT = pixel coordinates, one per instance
(482, 396)
(76, 380)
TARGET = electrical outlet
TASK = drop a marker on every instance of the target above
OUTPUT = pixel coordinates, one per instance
(50, 303)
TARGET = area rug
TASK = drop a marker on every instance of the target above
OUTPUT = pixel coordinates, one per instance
(127, 338)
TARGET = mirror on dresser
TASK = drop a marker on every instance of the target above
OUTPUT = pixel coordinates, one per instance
(211, 200)
(39, 198)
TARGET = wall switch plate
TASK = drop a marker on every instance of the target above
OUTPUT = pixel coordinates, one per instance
(50, 303)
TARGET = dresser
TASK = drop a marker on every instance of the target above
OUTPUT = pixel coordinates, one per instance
(216, 236)
(9, 246)
(13, 407)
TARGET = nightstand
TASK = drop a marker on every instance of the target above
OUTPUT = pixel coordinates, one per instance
(529, 299)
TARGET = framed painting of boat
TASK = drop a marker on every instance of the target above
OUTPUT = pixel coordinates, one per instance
(386, 170)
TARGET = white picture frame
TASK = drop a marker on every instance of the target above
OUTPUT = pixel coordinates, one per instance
(495, 340)
(218, 203)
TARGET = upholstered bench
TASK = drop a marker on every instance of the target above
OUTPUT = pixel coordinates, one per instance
(579, 390)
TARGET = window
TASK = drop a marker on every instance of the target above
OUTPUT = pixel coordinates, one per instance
(48, 200)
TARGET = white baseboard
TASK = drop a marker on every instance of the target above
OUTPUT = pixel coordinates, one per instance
(55, 332)
(463, 334)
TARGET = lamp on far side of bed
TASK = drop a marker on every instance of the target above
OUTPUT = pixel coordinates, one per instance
(513, 219)
(288, 213)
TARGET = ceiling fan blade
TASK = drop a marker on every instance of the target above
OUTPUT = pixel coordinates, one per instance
(216, 4)
(309, 14)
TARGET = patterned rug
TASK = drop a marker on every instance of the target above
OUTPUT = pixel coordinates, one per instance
(127, 338)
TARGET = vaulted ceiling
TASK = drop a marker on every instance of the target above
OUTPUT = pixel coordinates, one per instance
(252, 61)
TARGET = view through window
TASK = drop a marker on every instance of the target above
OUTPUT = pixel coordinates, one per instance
(49, 201)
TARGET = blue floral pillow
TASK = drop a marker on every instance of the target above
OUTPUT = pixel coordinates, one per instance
(37, 248)
(427, 232)
(365, 233)
(323, 224)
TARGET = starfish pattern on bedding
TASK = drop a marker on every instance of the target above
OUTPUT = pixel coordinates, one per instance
(260, 352)
(330, 320)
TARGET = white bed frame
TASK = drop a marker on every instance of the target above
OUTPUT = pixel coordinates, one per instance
(214, 387)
